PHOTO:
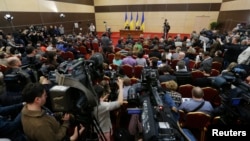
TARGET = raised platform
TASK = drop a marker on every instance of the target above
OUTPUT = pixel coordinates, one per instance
(116, 35)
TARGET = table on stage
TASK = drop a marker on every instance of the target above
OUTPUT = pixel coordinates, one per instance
(133, 33)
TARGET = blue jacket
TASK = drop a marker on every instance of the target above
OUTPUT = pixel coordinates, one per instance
(11, 128)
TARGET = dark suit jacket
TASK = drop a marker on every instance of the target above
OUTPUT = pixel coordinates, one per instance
(183, 77)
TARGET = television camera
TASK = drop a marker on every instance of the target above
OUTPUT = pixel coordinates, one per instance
(156, 117)
(74, 93)
(235, 97)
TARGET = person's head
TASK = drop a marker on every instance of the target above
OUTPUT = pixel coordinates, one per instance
(205, 55)
(14, 62)
(165, 69)
(140, 54)
(130, 53)
(105, 85)
(171, 85)
(231, 66)
(30, 50)
(218, 53)
(126, 81)
(181, 64)
(34, 93)
(117, 55)
(197, 93)
(51, 56)
(181, 55)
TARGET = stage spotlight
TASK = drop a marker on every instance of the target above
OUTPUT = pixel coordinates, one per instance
(62, 15)
(8, 17)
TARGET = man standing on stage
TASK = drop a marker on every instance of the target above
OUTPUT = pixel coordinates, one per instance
(166, 28)
(92, 29)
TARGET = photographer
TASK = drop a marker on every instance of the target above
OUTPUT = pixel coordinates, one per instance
(102, 111)
(38, 122)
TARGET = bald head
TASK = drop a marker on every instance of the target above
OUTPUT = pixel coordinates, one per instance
(197, 92)
(181, 55)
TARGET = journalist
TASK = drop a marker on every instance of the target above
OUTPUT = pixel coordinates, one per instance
(38, 122)
(102, 111)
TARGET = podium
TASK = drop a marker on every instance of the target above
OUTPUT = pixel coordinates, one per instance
(133, 33)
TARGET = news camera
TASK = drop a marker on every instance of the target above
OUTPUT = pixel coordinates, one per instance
(235, 97)
(156, 117)
(73, 90)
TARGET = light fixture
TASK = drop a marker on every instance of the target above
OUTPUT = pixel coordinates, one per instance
(62, 15)
(8, 17)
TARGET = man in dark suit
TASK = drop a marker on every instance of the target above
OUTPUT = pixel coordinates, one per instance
(127, 27)
(206, 63)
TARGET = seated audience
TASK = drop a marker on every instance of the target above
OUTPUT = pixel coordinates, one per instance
(129, 60)
(15, 79)
(183, 76)
(218, 57)
(155, 53)
(165, 74)
(197, 103)
(140, 60)
(229, 68)
(206, 63)
(117, 59)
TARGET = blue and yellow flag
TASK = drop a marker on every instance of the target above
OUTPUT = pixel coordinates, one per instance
(137, 20)
(131, 22)
(142, 22)
(126, 20)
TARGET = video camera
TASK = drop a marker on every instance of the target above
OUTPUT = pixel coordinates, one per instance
(156, 117)
(235, 97)
(73, 92)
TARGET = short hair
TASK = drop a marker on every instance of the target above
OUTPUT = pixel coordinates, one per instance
(197, 92)
(206, 53)
(181, 64)
(130, 53)
(127, 81)
(171, 85)
(165, 68)
(140, 54)
(29, 49)
(31, 91)
(105, 85)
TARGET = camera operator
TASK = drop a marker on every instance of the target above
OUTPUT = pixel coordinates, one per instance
(102, 111)
(38, 122)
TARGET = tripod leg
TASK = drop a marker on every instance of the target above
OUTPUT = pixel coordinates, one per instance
(98, 129)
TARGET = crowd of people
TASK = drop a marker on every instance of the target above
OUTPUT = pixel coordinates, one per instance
(29, 55)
